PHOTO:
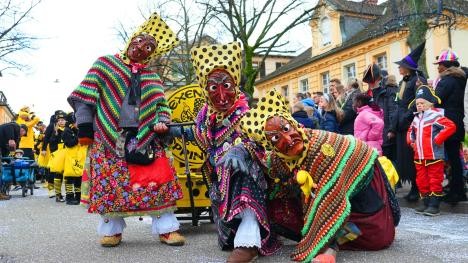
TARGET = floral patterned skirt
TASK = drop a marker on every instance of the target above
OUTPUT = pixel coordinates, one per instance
(108, 189)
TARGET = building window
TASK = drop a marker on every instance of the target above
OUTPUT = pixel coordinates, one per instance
(325, 28)
(262, 70)
(350, 71)
(325, 81)
(278, 65)
(381, 61)
(285, 91)
(304, 85)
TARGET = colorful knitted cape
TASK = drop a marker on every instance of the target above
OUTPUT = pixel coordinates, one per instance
(231, 194)
(341, 166)
(105, 86)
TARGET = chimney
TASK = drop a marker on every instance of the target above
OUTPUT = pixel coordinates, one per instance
(370, 2)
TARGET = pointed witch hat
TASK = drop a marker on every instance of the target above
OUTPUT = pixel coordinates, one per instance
(372, 73)
(411, 60)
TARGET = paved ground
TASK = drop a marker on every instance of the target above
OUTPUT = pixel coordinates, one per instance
(36, 229)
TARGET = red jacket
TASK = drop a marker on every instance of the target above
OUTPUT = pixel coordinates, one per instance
(427, 134)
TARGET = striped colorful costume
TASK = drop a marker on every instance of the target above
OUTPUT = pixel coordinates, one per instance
(342, 168)
(109, 184)
(346, 195)
(232, 193)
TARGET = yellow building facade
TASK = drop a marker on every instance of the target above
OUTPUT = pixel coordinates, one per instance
(332, 55)
(6, 114)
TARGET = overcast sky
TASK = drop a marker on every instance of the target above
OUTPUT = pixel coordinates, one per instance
(76, 33)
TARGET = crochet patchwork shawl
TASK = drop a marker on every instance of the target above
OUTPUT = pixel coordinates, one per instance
(104, 88)
(340, 166)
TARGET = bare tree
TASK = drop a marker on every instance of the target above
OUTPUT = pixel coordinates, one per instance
(191, 22)
(12, 39)
(260, 26)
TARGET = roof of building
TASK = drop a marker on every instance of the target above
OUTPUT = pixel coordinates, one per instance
(374, 30)
(356, 7)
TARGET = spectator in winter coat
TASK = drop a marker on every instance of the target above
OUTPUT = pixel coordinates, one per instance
(426, 136)
(309, 102)
(403, 117)
(384, 95)
(300, 115)
(331, 114)
(346, 125)
(9, 140)
(369, 123)
(450, 89)
(338, 94)
(465, 104)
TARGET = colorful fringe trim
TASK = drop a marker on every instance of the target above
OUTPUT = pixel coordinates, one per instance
(347, 170)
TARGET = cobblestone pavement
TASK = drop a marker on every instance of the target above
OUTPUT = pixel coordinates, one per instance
(37, 229)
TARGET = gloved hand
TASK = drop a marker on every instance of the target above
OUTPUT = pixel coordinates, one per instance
(175, 131)
(235, 159)
(85, 133)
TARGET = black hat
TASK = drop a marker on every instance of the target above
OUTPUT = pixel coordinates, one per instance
(427, 93)
(71, 117)
(372, 73)
(411, 60)
(60, 114)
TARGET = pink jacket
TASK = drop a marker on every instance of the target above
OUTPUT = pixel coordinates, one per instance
(369, 126)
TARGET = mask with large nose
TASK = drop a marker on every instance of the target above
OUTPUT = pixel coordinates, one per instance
(284, 136)
(221, 90)
(141, 47)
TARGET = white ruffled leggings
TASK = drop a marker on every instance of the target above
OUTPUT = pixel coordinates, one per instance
(248, 233)
(166, 223)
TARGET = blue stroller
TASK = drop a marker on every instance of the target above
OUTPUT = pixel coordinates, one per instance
(18, 172)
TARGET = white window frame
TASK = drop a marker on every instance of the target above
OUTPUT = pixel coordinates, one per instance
(304, 88)
(285, 91)
(325, 32)
(346, 71)
(325, 81)
(385, 60)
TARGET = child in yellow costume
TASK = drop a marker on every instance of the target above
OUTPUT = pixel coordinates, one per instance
(41, 159)
(27, 142)
(74, 160)
(55, 163)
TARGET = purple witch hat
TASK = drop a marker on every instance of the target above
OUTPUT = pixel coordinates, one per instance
(411, 60)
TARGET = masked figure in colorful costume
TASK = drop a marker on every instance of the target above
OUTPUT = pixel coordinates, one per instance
(238, 199)
(347, 199)
(121, 112)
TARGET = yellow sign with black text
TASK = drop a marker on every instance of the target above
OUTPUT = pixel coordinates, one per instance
(185, 103)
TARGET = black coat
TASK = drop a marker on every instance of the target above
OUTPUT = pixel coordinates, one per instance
(400, 123)
(385, 97)
(8, 131)
(451, 90)
(55, 140)
(48, 133)
(303, 118)
(404, 116)
(346, 126)
(70, 136)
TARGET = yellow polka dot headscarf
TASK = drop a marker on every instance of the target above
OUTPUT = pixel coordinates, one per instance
(207, 58)
(165, 38)
(253, 123)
